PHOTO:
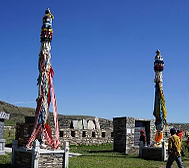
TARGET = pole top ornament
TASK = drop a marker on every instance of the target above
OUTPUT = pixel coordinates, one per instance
(158, 63)
(46, 29)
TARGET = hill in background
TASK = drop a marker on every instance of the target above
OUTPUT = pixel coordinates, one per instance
(17, 114)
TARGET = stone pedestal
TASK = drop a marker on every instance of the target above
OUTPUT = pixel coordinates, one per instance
(153, 153)
(39, 158)
(2, 146)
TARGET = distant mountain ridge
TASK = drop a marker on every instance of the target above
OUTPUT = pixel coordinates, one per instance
(17, 114)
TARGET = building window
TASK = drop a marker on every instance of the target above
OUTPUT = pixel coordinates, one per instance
(84, 134)
(112, 134)
(61, 133)
(103, 134)
(93, 134)
(73, 133)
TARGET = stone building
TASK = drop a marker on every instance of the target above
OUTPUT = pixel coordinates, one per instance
(77, 130)
(127, 132)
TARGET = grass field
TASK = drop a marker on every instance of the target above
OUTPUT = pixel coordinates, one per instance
(102, 156)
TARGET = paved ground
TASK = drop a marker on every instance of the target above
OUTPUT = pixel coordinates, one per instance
(70, 154)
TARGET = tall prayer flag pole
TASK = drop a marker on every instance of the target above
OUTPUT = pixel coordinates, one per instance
(159, 104)
(45, 90)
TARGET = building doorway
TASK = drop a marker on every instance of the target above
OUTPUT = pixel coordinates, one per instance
(141, 125)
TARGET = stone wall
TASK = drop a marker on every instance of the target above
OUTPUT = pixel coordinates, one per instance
(46, 160)
(130, 130)
(23, 132)
(127, 130)
(181, 126)
(72, 129)
(23, 159)
(119, 134)
(51, 160)
(86, 137)
(66, 121)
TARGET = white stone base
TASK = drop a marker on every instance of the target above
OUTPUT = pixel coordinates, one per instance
(2, 146)
(39, 158)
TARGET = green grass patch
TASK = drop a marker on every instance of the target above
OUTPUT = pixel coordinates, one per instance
(10, 123)
(5, 159)
(102, 156)
(9, 135)
(86, 149)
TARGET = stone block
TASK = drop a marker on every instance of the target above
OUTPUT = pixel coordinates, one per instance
(97, 123)
(80, 124)
(85, 126)
(91, 124)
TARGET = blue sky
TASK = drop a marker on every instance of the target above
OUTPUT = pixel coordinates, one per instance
(102, 54)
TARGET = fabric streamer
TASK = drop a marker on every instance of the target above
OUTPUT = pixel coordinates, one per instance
(158, 136)
(54, 112)
(159, 108)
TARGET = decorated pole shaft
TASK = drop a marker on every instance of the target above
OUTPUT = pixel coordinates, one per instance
(44, 65)
(159, 104)
(45, 89)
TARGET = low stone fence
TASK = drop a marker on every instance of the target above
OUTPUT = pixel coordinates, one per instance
(153, 153)
(39, 158)
(86, 136)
